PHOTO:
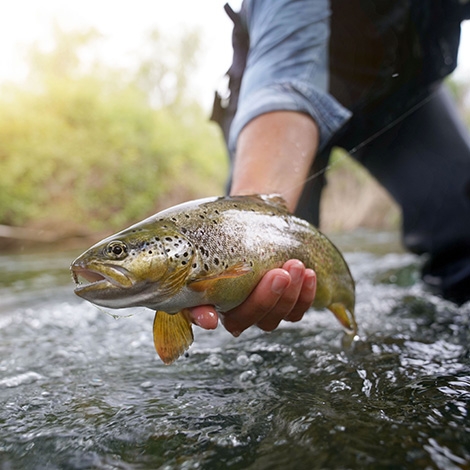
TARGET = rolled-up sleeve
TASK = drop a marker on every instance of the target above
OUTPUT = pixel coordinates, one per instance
(287, 65)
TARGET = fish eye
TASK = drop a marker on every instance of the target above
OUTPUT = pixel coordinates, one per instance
(116, 250)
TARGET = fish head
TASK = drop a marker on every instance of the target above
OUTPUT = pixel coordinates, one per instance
(131, 268)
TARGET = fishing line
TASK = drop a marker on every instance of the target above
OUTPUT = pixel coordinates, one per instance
(102, 310)
(365, 141)
(391, 124)
(114, 315)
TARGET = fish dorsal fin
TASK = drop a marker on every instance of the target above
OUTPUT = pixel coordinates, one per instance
(172, 335)
(275, 200)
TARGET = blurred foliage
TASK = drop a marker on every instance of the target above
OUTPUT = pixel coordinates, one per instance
(164, 72)
(460, 91)
(84, 146)
(353, 198)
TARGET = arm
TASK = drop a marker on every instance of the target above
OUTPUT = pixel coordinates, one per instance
(274, 154)
(284, 111)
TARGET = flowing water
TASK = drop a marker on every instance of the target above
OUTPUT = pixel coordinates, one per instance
(81, 389)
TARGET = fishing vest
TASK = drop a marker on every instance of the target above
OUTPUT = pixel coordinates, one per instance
(385, 57)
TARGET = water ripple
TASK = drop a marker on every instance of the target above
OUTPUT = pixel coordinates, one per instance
(80, 389)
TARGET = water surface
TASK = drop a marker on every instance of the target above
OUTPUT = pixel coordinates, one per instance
(81, 389)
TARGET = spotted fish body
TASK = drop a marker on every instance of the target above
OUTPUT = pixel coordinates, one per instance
(209, 251)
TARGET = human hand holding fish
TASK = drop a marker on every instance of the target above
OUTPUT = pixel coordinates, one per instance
(282, 294)
(274, 154)
(215, 251)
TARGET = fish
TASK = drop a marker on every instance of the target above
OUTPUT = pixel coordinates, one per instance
(210, 251)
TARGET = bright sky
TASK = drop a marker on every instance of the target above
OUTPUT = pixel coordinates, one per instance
(124, 25)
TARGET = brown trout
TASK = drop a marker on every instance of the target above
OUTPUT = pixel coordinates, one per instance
(209, 251)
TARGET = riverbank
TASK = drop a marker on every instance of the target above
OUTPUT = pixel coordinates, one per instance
(352, 199)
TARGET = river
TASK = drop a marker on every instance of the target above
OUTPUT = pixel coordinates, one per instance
(82, 389)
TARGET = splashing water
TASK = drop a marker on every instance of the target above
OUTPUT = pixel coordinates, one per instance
(80, 389)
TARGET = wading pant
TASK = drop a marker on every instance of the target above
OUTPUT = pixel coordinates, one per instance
(424, 163)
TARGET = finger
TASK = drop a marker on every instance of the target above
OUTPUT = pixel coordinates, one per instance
(306, 296)
(288, 299)
(204, 316)
(261, 301)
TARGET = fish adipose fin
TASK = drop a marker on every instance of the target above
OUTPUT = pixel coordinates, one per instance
(345, 317)
(172, 335)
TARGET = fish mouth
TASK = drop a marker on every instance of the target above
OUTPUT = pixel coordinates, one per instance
(92, 278)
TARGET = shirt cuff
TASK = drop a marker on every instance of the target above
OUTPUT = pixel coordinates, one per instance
(293, 96)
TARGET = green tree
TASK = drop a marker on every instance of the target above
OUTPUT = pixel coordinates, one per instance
(164, 73)
(82, 147)
(63, 61)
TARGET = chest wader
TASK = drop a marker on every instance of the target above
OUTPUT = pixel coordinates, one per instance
(387, 62)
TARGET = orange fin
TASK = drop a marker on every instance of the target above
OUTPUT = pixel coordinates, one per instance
(173, 282)
(204, 283)
(345, 317)
(172, 335)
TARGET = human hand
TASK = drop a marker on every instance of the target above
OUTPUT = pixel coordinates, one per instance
(282, 294)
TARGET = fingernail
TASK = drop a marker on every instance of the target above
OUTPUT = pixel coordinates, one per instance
(279, 284)
(212, 315)
(296, 273)
(310, 279)
(206, 320)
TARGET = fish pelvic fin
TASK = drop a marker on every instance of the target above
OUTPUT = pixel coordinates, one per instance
(345, 317)
(172, 335)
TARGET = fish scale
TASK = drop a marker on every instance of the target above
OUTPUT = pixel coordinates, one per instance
(210, 251)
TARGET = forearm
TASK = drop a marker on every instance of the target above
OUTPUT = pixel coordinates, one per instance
(274, 154)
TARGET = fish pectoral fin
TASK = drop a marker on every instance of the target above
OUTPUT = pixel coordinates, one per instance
(174, 281)
(202, 284)
(345, 317)
(172, 335)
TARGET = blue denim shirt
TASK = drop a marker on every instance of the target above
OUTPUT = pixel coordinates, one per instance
(287, 65)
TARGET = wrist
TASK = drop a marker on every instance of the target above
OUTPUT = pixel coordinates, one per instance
(274, 155)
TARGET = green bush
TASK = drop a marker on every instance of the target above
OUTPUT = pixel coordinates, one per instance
(86, 149)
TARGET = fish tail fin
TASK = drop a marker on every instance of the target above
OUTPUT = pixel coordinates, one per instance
(172, 335)
(345, 317)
